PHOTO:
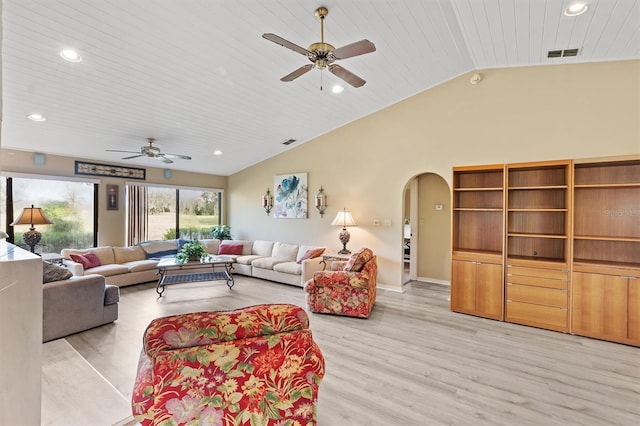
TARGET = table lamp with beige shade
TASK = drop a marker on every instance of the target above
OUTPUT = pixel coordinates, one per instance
(32, 216)
(344, 219)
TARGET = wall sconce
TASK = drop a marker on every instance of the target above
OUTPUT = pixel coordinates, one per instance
(321, 201)
(267, 201)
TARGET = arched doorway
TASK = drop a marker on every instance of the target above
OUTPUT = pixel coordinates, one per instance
(426, 239)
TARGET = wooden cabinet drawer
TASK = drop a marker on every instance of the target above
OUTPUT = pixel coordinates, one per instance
(548, 317)
(537, 295)
(553, 283)
(555, 274)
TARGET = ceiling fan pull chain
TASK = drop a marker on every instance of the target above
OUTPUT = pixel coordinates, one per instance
(321, 80)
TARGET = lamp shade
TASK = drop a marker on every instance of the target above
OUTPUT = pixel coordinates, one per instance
(32, 216)
(344, 219)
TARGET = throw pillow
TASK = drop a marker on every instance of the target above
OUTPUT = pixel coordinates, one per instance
(88, 260)
(230, 249)
(51, 272)
(358, 259)
(310, 254)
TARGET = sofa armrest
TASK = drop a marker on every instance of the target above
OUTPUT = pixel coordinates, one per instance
(76, 268)
(310, 266)
(203, 328)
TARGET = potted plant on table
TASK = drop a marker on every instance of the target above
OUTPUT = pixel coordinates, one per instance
(191, 252)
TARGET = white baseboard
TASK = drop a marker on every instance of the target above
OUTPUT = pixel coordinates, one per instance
(434, 280)
(387, 288)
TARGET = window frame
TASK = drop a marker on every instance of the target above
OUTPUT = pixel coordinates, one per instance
(177, 188)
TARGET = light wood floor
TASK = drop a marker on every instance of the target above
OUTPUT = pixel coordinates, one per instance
(413, 362)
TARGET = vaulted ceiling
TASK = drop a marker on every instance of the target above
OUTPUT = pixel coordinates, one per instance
(197, 75)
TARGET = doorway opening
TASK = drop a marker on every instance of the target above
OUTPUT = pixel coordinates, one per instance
(426, 234)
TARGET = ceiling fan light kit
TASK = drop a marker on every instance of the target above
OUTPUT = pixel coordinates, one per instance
(322, 55)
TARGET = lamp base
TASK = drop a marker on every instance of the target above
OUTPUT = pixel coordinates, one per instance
(344, 239)
(32, 238)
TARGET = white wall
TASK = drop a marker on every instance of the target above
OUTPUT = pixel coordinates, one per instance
(513, 115)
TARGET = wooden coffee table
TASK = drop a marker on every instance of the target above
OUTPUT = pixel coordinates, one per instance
(172, 272)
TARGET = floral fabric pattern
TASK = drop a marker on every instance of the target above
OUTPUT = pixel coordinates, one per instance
(254, 366)
(343, 292)
(357, 260)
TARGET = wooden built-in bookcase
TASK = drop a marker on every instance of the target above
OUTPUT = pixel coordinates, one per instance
(553, 244)
(538, 225)
(478, 242)
(606, 251)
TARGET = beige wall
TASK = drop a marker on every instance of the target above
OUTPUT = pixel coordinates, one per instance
(513, 115)
(111, 223)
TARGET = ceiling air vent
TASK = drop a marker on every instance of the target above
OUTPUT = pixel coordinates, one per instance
(562, 53)
(288, 142)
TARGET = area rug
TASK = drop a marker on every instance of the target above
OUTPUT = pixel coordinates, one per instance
(74, 393)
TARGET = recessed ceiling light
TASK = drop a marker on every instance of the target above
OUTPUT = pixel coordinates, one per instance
(36, 117)
(575, 9)
(217, 152)
(337, 89)
(70, 55)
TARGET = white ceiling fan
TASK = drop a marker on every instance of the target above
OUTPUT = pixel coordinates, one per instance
(152, 152)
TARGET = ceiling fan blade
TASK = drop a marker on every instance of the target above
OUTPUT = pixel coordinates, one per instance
(133, 156)
(286, 43)
(117, 150)
(180, 156)
(354, 49)
(297, 73)
(347, 76)
(162, 158)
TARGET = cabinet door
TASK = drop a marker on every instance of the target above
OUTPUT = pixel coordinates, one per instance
(599, 306)
(489, 290)
(634, 310)
(463, 288)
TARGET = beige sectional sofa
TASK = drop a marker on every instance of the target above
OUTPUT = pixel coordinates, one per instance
(275, 261)
(270, 260)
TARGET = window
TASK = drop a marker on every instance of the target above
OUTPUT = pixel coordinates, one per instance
(162, 213)
(69, 204)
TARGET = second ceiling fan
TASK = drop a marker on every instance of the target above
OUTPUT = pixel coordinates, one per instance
(323, 55)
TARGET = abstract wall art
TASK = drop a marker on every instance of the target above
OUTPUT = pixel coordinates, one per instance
(290, 196)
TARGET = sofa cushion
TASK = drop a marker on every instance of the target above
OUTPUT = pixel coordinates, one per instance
(88, 260)
(210, 245)
(285, 251)
(230, 249)
(262, 248)
(159, 248)
(141, 265)
(358, 259)
(293, 268)
(311, 254)
(303, 249)
(128, 254)
(111, 294)
(104, 253)
(247, 246)
(109, 270)
(247, 260)
(52, 272)
(266, 262)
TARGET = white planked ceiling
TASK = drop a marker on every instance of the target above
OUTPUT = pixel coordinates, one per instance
(198, 76)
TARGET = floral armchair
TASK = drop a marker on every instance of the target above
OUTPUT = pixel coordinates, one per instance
(349, 288)
(256, 366)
